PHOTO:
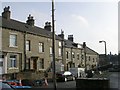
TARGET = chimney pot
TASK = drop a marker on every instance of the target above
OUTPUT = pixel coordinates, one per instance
(47, 26)
(61, 35)
(6, 13)
(70, 37)
(30, 20)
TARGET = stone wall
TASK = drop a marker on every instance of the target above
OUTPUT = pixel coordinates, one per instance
(27, 75)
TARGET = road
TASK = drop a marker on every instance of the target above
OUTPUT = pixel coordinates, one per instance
(114, 83)
(68, 84)
(115, 80)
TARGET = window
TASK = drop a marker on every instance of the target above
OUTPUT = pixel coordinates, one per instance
(78, 56)
(1, 62)
(67, 54)
(13, 40)
(60, 52)
(41, 63)
(28, 45)
(50, 50)
(82, 56)
(89, 58)
(60, 44)
(28, 63)
(41, 47)
(13, 60)
(73, 55)
(93, 60)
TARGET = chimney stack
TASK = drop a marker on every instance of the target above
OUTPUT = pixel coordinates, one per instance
(70, 37)
(47, 26)
(84, 44)
(61, 35)
(6, 13)
(30, 20)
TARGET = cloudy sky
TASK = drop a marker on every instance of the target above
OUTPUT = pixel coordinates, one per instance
(88, 20)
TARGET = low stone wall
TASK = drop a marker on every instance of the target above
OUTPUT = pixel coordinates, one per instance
(27, 75)
(33, 75)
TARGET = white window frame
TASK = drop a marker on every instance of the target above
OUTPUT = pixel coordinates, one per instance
(50, 50)
(41, 47)
(13, 61)
(60, 44)
(60, 51)
(27, 45)
(13, 40)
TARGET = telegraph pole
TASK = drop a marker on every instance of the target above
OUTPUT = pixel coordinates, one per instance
(24, 50)
(53, 44)
(84, 46)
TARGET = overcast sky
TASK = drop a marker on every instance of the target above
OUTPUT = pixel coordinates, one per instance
(89, 21)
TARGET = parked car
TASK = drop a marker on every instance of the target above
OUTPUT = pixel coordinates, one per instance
(114, 69)
(38, 82)
(64, 76)
(13, 82)
(89, 74)
(6, 86)
(16, 84)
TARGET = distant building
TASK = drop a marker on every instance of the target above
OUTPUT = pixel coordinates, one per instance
(113, 59)
(110, 59)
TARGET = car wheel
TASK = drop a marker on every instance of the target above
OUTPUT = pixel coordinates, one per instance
(65, 79)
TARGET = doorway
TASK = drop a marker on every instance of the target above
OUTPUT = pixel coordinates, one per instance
(34, 64)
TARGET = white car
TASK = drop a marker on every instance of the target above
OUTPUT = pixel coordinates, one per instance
(64, 76)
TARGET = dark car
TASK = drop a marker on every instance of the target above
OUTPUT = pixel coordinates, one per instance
(38, 82)
(89, 74)
(64, 76)
(6, 86)
(114, 69)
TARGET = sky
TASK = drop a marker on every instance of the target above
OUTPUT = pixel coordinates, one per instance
(88, 21)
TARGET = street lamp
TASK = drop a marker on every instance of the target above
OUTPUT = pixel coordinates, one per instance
(105, 46)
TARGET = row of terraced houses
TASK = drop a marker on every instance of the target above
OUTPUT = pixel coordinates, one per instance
(28, 47)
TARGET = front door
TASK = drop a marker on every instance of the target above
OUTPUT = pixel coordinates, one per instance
(3, 65)
(34, 64)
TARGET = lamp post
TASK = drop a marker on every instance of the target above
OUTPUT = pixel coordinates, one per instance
(105, 50)
(105, 46)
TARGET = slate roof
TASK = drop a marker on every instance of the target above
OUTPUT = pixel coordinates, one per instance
(90, 51)
(24, 27)
(70, 44)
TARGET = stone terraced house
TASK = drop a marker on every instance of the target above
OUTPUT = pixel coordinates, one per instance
(28, 47)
